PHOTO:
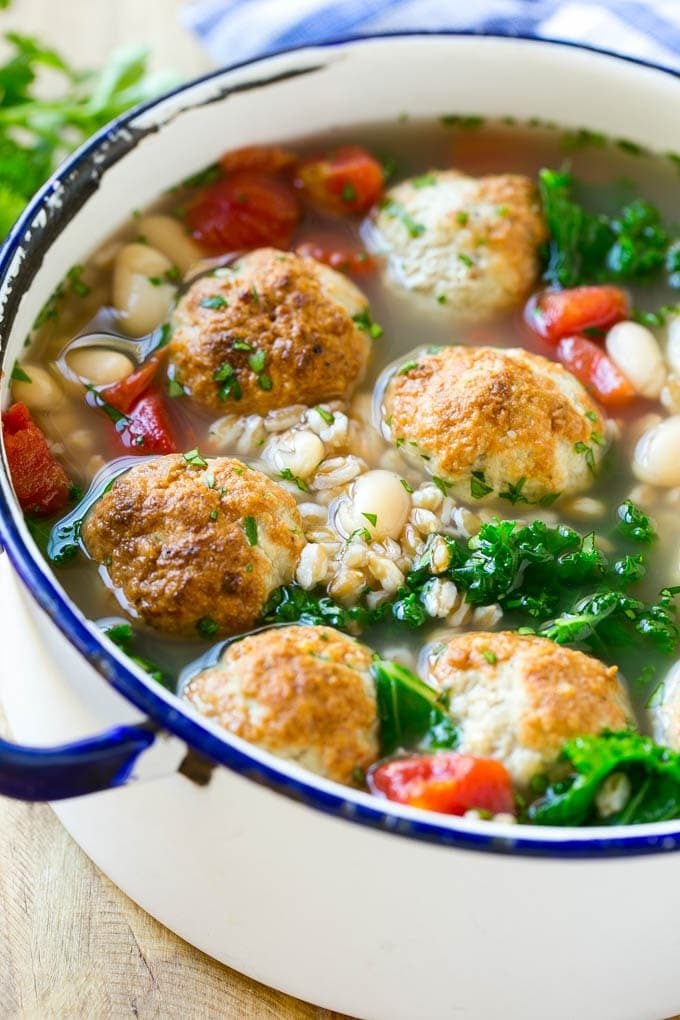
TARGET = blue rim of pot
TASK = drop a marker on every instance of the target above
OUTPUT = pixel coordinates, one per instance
(329, 798)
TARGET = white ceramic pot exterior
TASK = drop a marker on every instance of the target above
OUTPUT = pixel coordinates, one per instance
(371, 923)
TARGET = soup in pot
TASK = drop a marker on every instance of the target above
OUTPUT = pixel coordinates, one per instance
(368, 448)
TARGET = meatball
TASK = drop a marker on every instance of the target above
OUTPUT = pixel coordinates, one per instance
(519, 698)
(666, 714)
(495, 424)
(271, 330)
(195, 547)
(471, 243)
(303, 693)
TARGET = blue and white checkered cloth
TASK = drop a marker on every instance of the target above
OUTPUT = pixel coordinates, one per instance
(236, 30)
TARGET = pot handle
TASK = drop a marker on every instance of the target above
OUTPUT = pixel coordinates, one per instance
(71, 770)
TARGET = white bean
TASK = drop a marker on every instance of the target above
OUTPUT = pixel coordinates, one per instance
(143, 305)
(299, 452)
(673, 343)
(99, 366)
(657, 454)
(169, 237)
(380, 503)
(42, 393)
(635, 350)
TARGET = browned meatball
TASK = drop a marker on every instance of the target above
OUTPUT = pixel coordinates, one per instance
(196, 549)
(303, 693)
(495, 424)
(518, 698)
(271, 330)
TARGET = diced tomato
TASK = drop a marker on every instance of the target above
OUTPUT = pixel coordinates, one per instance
(448, 782)
(557, 313)
(269, 159)
(339, 255)
(244, 210)
(41, 484)
(598, 373)
(347, 180)
(123, 394)
(146, 427)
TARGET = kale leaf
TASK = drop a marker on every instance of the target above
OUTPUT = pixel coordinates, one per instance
(589, 247)
(652, 771)
(410, 711)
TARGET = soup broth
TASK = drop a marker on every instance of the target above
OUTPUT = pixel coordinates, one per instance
(400, 587)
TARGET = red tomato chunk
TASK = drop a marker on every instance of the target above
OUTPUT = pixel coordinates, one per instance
(146, 428)
(247, 209)
(123, 394)
(595, 370)
(269, 159)
(348, 180)
(41, 484)
(448, 782)
(554, 314)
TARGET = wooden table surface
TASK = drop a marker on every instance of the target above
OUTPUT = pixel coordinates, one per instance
(71, 944)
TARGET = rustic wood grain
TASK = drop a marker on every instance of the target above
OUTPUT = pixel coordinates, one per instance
(71, 944)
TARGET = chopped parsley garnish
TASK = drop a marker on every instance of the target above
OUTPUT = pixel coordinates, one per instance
(478, 486)
(264, 381)
(230, 386)
(514, 493)
(241, 345)
(214, 514)
(257, 360)
(250, 528)
(407, 367)
(441, 484)
(19, 374)
(216, 301)
(288, 476)
(371, 518)
(76, 283)
(407, 486)
(194, 458)
(462, 217)
(175, 388)
(119, 419)
(361, 533)
(209, 479)
(469, 120)
(123, 636)
(465, 259)
(587, 452)
(396, 211)
(441, 299)
(207, 627)
(327, 416)
(424, 181)
(365, 323)
(490, 656)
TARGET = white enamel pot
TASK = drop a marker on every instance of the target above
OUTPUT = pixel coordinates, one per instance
(372, 909)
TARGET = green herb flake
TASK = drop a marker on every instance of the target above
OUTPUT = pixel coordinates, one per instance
(76, 283)
(462, 217)
(365, 323)
(327, 416)
(478, 486)
(214, 514)
(209, 480)
(371, 518)
(396, 211)
(216, 301)
(441, 484)
(257, 360)
(175, 388)
(250, 528)
(264, 381)
(513, 494)
(241, 345)
(441, 299)
(194, 458)
(424, 181)
(19, 374)
(470, 120)
(490, 656)
(465, 259)
(207, 627)
(406, 485)
(230, 386)
(407, 367)
(288, 476)
(587, 452)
